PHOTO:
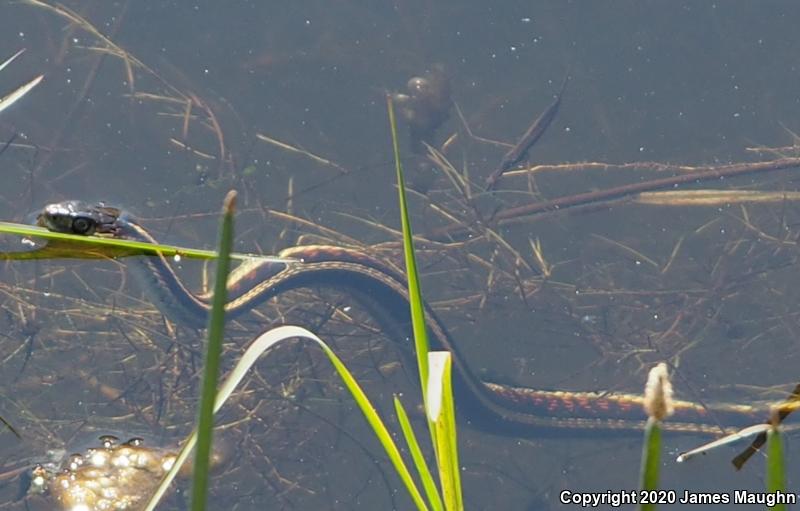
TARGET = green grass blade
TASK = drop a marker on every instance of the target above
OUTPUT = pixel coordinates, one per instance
(376, 423)
(261, 345)
(73, 245)
(441, 412)
(651, 459)
(414, 292)
(776, 469)
(216, 330)
(428, 484)
(443, 432)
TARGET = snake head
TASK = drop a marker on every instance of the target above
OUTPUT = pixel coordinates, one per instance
(77, 217)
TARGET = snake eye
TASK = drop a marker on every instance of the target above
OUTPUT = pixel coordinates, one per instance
(83, 225)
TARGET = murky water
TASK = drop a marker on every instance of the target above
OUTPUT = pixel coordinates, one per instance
(190, 114)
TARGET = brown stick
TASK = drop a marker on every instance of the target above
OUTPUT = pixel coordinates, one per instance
(701, 174)
(520, 151)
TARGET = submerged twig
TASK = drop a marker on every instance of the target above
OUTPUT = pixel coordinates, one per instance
(699, 175)
(532, 135)
(297, 150)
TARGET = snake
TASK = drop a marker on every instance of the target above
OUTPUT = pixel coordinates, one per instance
(381, 289)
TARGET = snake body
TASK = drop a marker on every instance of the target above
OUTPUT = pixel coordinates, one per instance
(381, 289)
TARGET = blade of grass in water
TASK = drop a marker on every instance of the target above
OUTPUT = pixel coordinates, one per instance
(428, 484)
(216, 328)
(98, 247)
(776, 469)
(414, 292)
(658, 406)
(441, 412)
(261, 345)
(651, 460)
(442, 432)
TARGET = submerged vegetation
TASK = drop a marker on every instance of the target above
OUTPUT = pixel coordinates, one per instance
(628, 300)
